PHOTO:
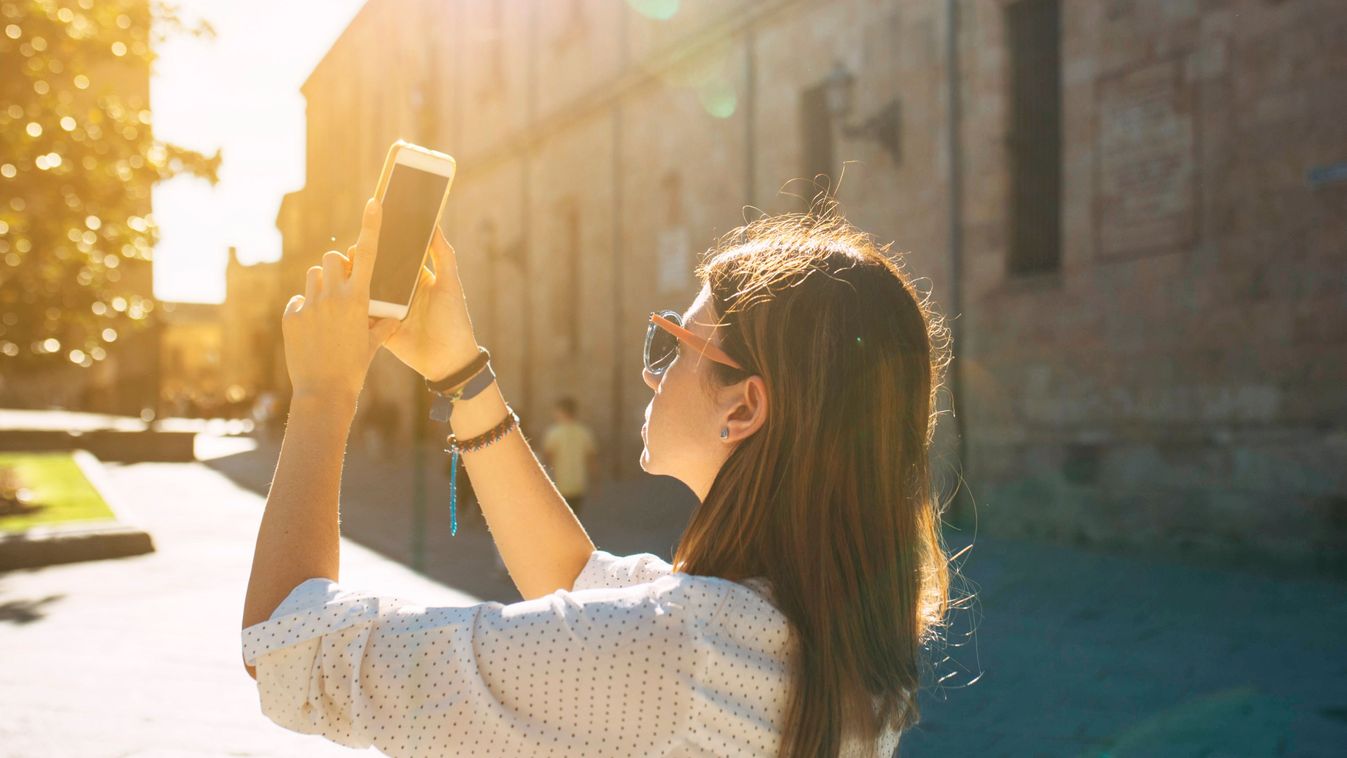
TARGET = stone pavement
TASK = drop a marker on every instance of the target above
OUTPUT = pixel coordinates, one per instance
(1070, 652)
(1080, 653)
(1065, 652)
(141, 656)
(378, 495)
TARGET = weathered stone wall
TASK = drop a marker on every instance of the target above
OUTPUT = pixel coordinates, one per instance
(1178, 381)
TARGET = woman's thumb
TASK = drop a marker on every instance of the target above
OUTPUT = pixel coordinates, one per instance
(441, 251)
(382, 330)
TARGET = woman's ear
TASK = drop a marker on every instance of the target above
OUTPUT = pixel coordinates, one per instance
(746, 409)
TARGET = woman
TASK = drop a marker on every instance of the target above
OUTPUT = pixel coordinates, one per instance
(794, 397)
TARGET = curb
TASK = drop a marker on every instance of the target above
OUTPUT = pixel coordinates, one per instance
(118, 537)
(108, 444)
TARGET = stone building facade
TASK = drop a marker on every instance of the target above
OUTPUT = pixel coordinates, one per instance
(1132, 207)
(192, 346)
(250, 327)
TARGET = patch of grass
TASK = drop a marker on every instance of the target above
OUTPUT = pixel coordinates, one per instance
(60, 492)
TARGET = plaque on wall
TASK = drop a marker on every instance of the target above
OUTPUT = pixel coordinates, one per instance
(1147, 184)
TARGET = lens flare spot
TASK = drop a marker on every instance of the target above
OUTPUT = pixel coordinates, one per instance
(718, 98)
(657, 10)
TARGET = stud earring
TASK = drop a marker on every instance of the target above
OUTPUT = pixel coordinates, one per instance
(725, 433)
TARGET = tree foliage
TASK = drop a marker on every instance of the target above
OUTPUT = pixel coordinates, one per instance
(78, 159)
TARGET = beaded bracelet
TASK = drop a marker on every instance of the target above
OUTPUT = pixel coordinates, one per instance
(471, 445)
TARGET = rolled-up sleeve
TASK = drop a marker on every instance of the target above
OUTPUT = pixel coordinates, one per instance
(607, 570)
(599, 671)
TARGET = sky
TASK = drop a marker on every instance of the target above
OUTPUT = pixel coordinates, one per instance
(238, 92)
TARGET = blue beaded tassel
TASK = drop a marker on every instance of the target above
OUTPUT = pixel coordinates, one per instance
(453, 493)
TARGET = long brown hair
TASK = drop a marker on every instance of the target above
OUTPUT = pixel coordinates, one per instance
(831, 500)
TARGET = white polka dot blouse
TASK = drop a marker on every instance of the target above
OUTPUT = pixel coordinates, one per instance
(635, 660)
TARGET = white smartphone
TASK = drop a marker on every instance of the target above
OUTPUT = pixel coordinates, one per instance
(413, 189)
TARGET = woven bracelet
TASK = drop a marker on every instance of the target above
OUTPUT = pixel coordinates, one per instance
(486, 438)
(470, 445)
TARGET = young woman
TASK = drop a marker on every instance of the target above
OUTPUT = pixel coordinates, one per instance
(794, 396)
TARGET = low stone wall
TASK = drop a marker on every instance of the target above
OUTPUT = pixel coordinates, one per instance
(105, 444)
(118, 537)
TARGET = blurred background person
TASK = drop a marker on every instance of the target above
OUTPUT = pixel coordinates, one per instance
(569, 447)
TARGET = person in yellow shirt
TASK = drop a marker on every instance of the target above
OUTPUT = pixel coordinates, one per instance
(570, 450)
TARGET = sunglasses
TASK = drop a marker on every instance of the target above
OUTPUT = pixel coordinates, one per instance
(662, 336)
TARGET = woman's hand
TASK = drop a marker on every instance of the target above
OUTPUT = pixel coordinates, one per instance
(329, 335)
(436, 338)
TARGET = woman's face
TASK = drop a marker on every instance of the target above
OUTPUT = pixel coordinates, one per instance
(685, 416)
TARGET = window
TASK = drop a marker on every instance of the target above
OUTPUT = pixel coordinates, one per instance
(493, 38)
(573, 28)
(566, 299)
(674, 247)
(816, 129)
(1033, 29)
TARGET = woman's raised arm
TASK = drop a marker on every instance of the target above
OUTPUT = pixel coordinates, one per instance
(539, 538)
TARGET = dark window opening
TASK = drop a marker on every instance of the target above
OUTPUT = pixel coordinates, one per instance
(568, 304)
(1034, 32)
(816, 128)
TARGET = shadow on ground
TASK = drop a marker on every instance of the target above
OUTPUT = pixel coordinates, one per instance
(379, 511)
(25, 611)
(1063, 651)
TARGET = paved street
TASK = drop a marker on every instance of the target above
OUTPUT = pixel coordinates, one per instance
(1074, 653)
(378, 510)
(141, 656)
(1088, 654)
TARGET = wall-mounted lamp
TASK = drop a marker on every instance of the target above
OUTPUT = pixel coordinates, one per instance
(883, 126)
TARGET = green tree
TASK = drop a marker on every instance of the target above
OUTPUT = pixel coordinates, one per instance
(78, 159)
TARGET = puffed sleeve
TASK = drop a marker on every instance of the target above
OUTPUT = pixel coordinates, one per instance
(607, 570)
(605, 670)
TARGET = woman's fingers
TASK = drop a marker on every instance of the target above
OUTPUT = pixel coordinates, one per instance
(381, 330)
(334, 268)
(441, 252)
(313, 283)
(296, 302)
(350, 261)
(367, 245)
(427, 279)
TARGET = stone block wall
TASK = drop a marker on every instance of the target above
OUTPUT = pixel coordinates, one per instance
(1175, 383)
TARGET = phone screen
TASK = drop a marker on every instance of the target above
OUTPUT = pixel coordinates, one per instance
(411, 205)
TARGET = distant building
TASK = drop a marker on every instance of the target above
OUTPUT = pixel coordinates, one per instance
(192, 347)
(250, 320)
(1134, 212)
